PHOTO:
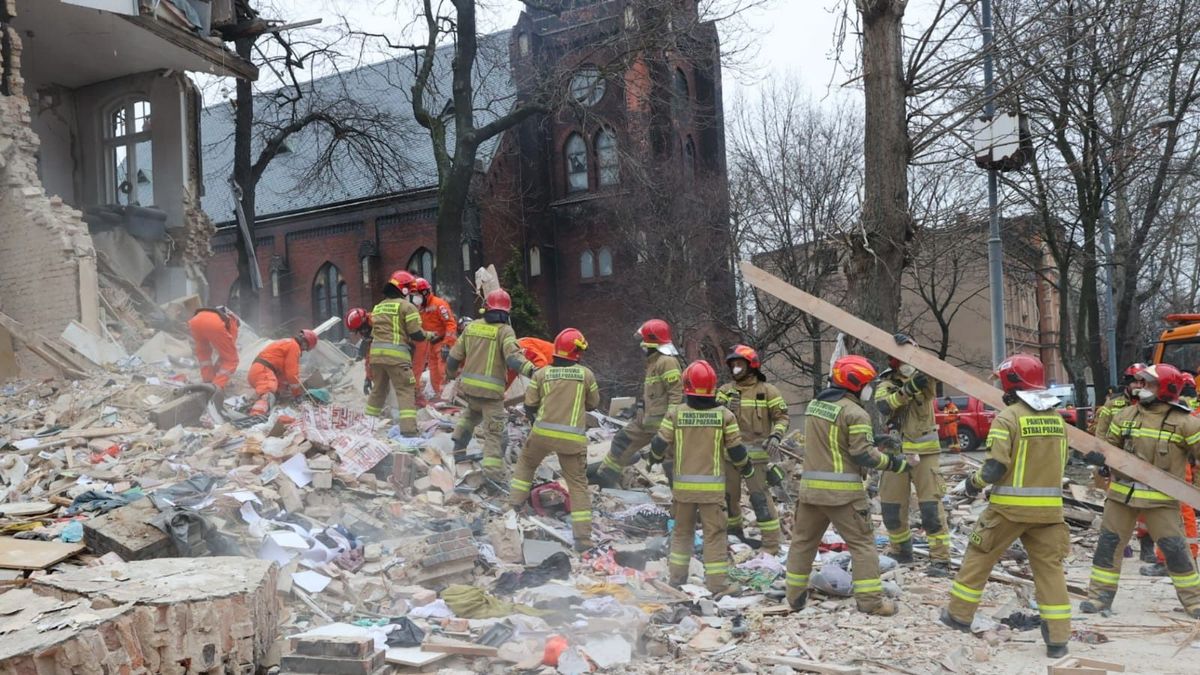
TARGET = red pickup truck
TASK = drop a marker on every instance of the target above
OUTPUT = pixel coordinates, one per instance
(975, 419)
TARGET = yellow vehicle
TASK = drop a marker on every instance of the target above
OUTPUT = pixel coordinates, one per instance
(1179, 345)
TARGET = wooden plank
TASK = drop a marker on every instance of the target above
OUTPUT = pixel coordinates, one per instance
(413, 657)
(810, 666)
(449, 646)
(1116, 458)
(27, 554)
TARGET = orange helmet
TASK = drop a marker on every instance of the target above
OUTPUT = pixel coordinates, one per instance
(498, 299)
(570, 344)
(402, 280)
(357, 319)
(308, 339)
(852, 373)
(655, 332)
(746, 353)
(1021, 372)
(1165, 379)
(699, 379)
(421, 285)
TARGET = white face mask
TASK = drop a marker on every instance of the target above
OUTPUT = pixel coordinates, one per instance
(738, 370)
(867, 392)
(906, 370)
(418, 300)
(1145, 394)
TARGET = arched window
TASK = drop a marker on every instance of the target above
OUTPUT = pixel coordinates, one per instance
(466, 255)
(523, 44)
(577, 163)
(330, 297)
(535, 261)
(606, 157)
(680, 94)
(604, 262)
(689, 158)
(128, 154)
(587, 265)
(421, 264)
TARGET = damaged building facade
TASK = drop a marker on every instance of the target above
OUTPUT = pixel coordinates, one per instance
(99, 163)
(563, 195)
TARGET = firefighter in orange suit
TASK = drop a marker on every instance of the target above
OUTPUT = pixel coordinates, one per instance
(214, 332)
(395, 329)
(537, 351)
(438, 321)
(557, 402)
(951, 425)
(839, 449)
(278, 366)
(695, 441)
(1161, 431)
(1027, 453)
(358, 320)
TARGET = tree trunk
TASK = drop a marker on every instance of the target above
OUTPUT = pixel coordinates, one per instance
(242, 134)
(452, 204)
(877, 254)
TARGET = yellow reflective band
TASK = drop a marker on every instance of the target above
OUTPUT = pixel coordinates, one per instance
(938, 537)
(759, 456)
(406, 414)
(699, 487)
(482, 383)
(997, 432)
(731, 429)
(671, 375)
(1052, 612)
(1132, 493)
(1156, 434)
(562, 435)
(920, 445)
(900, 537)
(581, 516)
(861, 430)
(769, 525)
(521, 485)
(1193, 439)
(868, 585)
(679, 558)
(492, 461)
(1186, 580)
(716, 568)
(611, 463)
(829, 485)
(835, 449)
(1022, 500)
(372, 411)
(392, 353)
(966, 593)
(795, 580)
(777, 401)
(733, 521)
(1019, 473)
(1105, 577)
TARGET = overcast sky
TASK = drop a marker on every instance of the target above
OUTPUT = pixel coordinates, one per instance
(794, 38)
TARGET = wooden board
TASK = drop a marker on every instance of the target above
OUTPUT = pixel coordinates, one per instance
(27, 554)
(450, 646)
(26, 509)
(412, 657)
(1116, 458)
(810, 666)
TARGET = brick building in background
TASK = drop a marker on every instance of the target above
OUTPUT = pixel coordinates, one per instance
(613, 208)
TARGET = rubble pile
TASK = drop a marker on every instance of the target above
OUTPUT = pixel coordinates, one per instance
(147, 528)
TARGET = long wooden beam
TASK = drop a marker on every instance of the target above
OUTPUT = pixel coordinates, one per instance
(926, 362)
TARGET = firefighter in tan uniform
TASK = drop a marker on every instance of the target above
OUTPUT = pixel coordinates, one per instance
(395, 328)
(1161, 431)
(660, 391)
(838, 451)
(556, 402)
(486, 350)
(695, 441)
(905, 399)
(762, 417)
(1027, 452)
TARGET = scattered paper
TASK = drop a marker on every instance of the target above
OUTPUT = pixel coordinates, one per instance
(244, 496)
(26, 443)
(297, 469)
(286, 539)
(275, 553)
(269, 473)
(313, 582)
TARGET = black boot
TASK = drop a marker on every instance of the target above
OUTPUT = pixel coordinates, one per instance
(903, 553)
(1052, 651)
(939, 569)
(799, 603)
(1146, 549)
(954, 623)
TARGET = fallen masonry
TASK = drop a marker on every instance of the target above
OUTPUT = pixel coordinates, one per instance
(182, 615)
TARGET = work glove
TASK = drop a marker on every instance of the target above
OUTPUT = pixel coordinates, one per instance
(734, 403)
(897, 463)
(367, 386)
(887, 443)
(970, 488)
(1095, 458)
(904, 339)
(916, 384)
(445, 352)
(747, 470)
(771, 447)
(775, 475)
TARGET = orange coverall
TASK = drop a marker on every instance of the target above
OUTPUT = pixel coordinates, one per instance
(436, 318)
(537, 351)
(277, 364)
(212, 332)
(951, 424)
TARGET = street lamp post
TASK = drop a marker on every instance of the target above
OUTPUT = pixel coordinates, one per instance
(995, 244)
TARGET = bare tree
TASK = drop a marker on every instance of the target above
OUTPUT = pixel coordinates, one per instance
(306, 98)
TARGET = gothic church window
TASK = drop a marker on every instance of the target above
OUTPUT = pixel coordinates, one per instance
(607, 158)
(577, 163)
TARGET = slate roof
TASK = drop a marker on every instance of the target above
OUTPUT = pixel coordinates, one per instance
(386, 86)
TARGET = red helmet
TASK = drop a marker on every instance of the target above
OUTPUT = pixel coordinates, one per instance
(852, 373)
(1164, 379)
(1132, 371)
(402, 280)
(421, 285)
(1189, 381)
(308, 339)
(699, 379)
(746, 353)
(1021, 372)
(357, 319)
(570, 344)
(655, 332)
(498, 299)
